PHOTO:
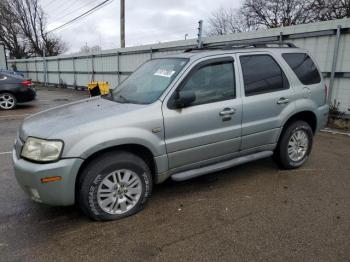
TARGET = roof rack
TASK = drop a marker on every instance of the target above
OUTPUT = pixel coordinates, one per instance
(276, 44)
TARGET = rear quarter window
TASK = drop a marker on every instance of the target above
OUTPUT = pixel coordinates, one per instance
(304, 68)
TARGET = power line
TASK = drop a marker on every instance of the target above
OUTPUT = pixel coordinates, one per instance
(79, 7)
(90, 11)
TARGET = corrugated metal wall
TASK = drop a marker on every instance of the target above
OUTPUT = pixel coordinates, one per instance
(115, 65)
(3, 64)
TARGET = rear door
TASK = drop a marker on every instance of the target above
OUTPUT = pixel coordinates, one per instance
(309, 84)
(267, 100)
(210, 128)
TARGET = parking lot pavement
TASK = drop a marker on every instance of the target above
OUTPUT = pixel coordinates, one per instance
(254, 212)
(46, 98)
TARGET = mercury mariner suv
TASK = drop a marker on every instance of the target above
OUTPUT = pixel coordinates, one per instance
(178, 117)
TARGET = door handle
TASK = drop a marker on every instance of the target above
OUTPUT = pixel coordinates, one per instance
(282, 100)
(227, 111)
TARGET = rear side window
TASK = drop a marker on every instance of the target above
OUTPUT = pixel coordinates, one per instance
(262, 74)
(303, 67)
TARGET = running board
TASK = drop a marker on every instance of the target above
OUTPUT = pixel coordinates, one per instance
(219, 166)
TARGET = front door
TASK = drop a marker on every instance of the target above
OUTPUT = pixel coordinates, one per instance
(210, 128)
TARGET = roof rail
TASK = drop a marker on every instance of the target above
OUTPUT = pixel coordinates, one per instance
(276, 44)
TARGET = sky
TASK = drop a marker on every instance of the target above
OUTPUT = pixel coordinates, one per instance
(147, 21)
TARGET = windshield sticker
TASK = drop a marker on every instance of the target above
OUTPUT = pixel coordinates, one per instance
(164, 72)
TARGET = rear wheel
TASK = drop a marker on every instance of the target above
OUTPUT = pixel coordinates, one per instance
(114, 185)
(7, 101)
(294, 146)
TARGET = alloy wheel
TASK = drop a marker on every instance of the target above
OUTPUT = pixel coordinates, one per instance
(298, 145)
(119, 191)
(7, 101)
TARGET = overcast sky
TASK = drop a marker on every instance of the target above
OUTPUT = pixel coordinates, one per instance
(147, 21)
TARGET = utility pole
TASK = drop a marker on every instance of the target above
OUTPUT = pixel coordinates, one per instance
(122, 23)
(199, 35)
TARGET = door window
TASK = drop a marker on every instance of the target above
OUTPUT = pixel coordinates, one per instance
(262, 74)
(211, 83)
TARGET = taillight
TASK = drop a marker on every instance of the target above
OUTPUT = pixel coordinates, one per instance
(325, 93)
(27, 83)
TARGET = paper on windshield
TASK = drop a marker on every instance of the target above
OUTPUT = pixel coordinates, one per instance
(164, 72)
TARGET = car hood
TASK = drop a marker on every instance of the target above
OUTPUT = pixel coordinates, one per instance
(62, 118)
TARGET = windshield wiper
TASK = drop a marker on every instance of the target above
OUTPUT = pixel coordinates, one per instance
(125, 100)
(122, 99)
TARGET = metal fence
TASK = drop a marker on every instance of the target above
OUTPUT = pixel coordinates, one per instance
(328, 42)
(3, 64)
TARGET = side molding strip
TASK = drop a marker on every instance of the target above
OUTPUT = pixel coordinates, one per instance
(219, 166)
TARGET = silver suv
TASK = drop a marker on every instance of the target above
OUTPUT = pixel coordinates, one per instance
(181, 116)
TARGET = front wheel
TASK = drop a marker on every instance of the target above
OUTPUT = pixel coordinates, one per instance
(114, 185)
(294, 146)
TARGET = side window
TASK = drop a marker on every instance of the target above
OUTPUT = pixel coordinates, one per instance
(303, 67)
(211, 83)
(262, 74)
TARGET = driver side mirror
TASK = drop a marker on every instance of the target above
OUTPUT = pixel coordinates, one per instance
(184, 99)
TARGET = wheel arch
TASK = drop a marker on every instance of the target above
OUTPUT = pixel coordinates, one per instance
(2, 91)
(137, 149)
(306, 115)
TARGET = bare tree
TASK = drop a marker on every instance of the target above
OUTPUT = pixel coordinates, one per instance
(255, 14)
(89, 49)
(29, 27)
(276, 13)
(9, 32)
(225, 21)
(331, 9)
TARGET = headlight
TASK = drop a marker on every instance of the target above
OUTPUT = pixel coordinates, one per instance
(42, 150)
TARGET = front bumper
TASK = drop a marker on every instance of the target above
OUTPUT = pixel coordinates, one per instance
(60, 193)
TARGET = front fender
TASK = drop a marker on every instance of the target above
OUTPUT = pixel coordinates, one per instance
(94, 142)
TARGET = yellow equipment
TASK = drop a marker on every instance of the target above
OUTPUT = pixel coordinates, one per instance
(98, 88)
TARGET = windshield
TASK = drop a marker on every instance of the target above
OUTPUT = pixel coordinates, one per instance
(149, 81)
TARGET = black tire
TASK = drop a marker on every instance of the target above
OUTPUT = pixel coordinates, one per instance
(93, 175)
(8, 96)
(281, 155)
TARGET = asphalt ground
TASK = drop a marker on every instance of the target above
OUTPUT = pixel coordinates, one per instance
(253, 212)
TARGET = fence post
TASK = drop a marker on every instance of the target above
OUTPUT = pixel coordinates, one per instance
(280, 39)
(27, 68)
(118, 67)
(74, 74)
(199, 35)
(334, 64)
(92, 68)
(44, 67)
(59, 72)
(36, 70)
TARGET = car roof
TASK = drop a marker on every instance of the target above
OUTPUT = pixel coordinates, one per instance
(11, 76)
(202, 53)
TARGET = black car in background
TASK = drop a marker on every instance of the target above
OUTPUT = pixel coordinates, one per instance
(11, 72)
(15, 89)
